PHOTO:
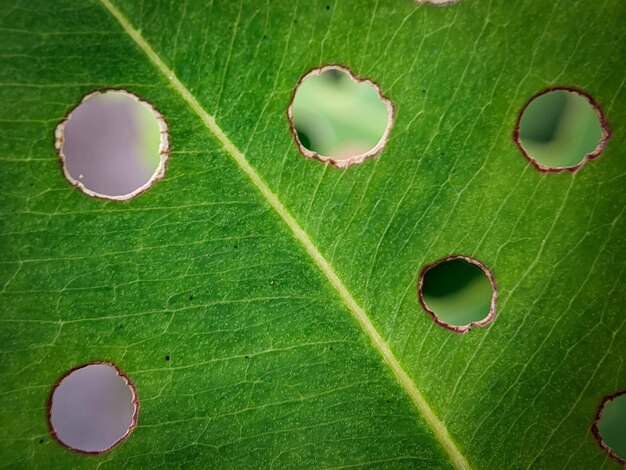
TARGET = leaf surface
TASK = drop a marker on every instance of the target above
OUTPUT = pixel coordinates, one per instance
(284, 290)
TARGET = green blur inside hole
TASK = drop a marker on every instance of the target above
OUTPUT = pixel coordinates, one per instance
(336, 117)
(559, 128)
(148, 138)
(458, 292)
(612, 425)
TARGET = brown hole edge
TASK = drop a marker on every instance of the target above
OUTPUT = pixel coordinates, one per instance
(135, 400)
(164, 147)
(596, 431)
(357, 159)
(606, 132)
(463, 328)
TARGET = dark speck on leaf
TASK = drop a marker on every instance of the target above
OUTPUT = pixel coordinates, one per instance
(41, 441)
(328, 7)
(167, 358)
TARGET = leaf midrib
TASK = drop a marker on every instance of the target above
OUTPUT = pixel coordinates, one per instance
(436, 425)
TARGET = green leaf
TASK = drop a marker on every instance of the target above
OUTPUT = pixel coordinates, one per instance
(284, 290)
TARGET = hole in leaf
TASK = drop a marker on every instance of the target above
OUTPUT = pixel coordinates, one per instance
(93, 408)
(113, 145)
(438, 2)
(560, 129)
(458, 292)
(338, 118)
(610, 426)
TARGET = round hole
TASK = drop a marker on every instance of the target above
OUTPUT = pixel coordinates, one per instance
(93, 408)
(458, 292)
(113, 145)
(338, 118)
(438, 2)
(610, 426)
(560, 129)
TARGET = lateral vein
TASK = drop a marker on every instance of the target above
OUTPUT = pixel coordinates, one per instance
(437, 426)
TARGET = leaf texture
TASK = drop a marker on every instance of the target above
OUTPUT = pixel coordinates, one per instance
(271, 364)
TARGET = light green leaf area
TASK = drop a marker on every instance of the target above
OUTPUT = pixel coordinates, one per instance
(284, 290)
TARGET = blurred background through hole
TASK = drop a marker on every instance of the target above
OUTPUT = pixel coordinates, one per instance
(92, 408)
(336, 117)
(457, 291)
(612, 425)
(112, 144)
(559, 128)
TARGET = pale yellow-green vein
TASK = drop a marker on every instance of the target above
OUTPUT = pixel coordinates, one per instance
(437, 426)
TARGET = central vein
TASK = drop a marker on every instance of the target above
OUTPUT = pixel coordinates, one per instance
(437, 426)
